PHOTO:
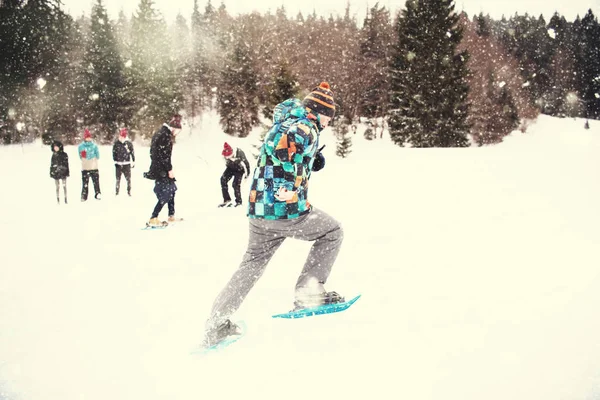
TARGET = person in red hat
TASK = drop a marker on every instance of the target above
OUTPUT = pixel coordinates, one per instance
(89, 156)
(161, 170)
(236, 167)
(124, 158)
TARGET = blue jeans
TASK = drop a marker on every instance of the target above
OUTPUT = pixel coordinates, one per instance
(165, 193)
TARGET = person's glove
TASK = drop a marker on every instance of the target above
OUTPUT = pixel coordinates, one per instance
(132, 165)
(319, 162)
(284, 195)
(83, 153)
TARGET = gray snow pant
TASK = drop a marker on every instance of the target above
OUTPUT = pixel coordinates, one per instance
(64, 183)
(265, 238)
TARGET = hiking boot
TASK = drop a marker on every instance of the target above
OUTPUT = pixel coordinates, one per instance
(98, 196)
(238, 204)
(217, 334)
(156, 222)
(225, 204)
(172, 218)
(316, 299)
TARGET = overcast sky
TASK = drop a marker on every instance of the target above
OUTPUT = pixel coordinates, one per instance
(170, 8)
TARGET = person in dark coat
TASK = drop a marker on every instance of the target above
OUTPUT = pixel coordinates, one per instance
(236, 167)
(59, 168)
(161, 170)
(124, 158)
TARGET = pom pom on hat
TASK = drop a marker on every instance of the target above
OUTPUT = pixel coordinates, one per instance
(87, 134)
(320, 100)
(175, 122)
(123, 132)
(227, 150)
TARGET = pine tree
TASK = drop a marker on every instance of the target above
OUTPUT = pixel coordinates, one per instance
(197, 82)
(428, 87)
(344, 140)
(152, 81)
(67, 91)
(497, 100)
(32, 41)
(12, 62)
(238, 102)
(484, 27)
(562, 68)
(349, 84)
(510, 114)
(106, 105)
(122, 29)
(181, 58)
(377, 38)
(588, 64)
(526, 38)
(283, 86)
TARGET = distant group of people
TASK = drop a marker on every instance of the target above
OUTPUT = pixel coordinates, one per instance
(89, 154)
(278, 207)
(237, 167)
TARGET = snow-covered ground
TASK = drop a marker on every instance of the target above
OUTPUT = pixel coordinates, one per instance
(478, 269)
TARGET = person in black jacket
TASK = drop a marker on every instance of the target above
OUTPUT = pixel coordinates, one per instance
(59, 168)
(236, 167)
(161, 170)
(124, 158)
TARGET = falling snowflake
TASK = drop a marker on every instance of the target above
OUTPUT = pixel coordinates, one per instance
(94, 96)
(128, 64)
(525, 84)
(551, 33)
(41, 82)
(501, 84)
(572, 98)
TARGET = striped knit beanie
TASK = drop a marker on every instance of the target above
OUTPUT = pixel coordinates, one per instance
(320, 100)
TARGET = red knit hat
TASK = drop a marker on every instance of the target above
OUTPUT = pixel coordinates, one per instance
(87, 134)
(227, 150)
(175, 122)
(123, 133)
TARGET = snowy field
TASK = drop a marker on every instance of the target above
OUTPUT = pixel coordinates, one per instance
(478, 269)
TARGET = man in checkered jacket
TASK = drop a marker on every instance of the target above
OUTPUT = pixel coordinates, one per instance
(278, 208)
